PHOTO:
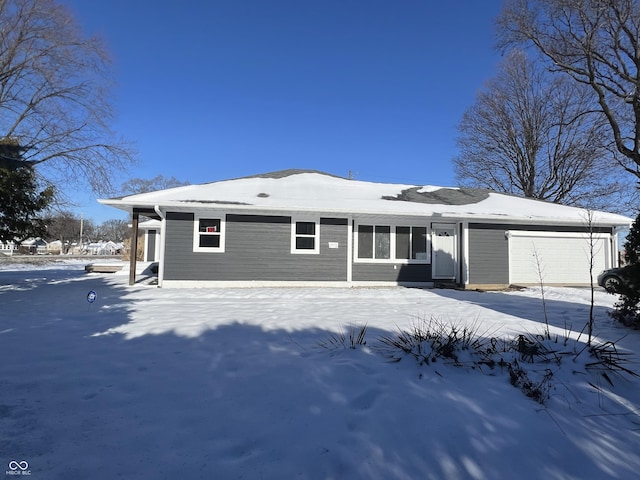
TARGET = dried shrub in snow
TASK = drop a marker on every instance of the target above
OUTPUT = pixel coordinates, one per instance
(431, 339)
(535, 363)
(350, 337)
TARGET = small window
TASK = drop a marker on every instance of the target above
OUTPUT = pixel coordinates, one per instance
(208, 235)
(304, 237)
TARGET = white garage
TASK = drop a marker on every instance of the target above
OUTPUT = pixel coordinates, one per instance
(559, 257)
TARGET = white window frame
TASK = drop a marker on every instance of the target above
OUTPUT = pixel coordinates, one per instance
(392, 246)
(315, 236)
(197, 232)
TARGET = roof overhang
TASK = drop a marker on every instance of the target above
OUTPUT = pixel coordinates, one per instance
(302, 192)
(151, 211)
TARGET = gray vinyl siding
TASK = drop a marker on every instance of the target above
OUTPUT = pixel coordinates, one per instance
(390, 272)
(151, 245)
(257, 248)
(488, 256)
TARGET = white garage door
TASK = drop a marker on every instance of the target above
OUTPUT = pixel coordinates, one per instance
(560, 257)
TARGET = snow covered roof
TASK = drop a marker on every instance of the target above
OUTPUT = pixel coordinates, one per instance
(33, 241)
(149, 225)
(307, 190)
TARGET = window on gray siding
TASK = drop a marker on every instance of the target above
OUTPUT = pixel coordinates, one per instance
(411, 243)
(209, 241)
(374, 241)
(209, 232)
(419, 243)
(305, 237)
(403, 242)
(305, 228)
(365, 241)
(383, 242)
(209, 225)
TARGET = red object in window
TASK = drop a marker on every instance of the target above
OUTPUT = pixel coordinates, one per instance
(211, 229)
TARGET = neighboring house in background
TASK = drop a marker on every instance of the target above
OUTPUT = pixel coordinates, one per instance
(33, 246)
(103, 248)
(54, 247)
(298, 227)
(8, 248)
(74, 248)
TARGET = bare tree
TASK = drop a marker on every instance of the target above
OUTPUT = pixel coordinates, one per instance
(115, 230)
(593, 251)
(595, 43)
(143, 185)
(68, 228)
(532, 133)
(54, 95)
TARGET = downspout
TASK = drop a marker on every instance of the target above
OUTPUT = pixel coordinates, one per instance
(350, 250)
(464, 253)
(134, 247)
(615, 250)
(163, 230)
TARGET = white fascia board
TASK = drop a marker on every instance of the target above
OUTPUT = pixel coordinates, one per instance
(529, 233)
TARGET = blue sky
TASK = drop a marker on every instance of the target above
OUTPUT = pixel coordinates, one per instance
(211, 90)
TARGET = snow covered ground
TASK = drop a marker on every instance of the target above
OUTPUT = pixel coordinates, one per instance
(151, 383)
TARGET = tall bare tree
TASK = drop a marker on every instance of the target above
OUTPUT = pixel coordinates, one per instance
(143, 185)
(530, 133)
(595, 43)
(67, 227)
(54, 95)
(115, 230)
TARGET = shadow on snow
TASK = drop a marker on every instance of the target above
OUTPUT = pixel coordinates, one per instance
(239, 401)
(560, 314)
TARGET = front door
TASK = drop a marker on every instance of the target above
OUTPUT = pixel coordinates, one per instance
(443, 246)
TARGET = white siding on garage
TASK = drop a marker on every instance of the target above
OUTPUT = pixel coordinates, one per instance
(563, 257)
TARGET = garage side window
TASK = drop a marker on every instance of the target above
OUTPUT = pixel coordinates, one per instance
(208, 234)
